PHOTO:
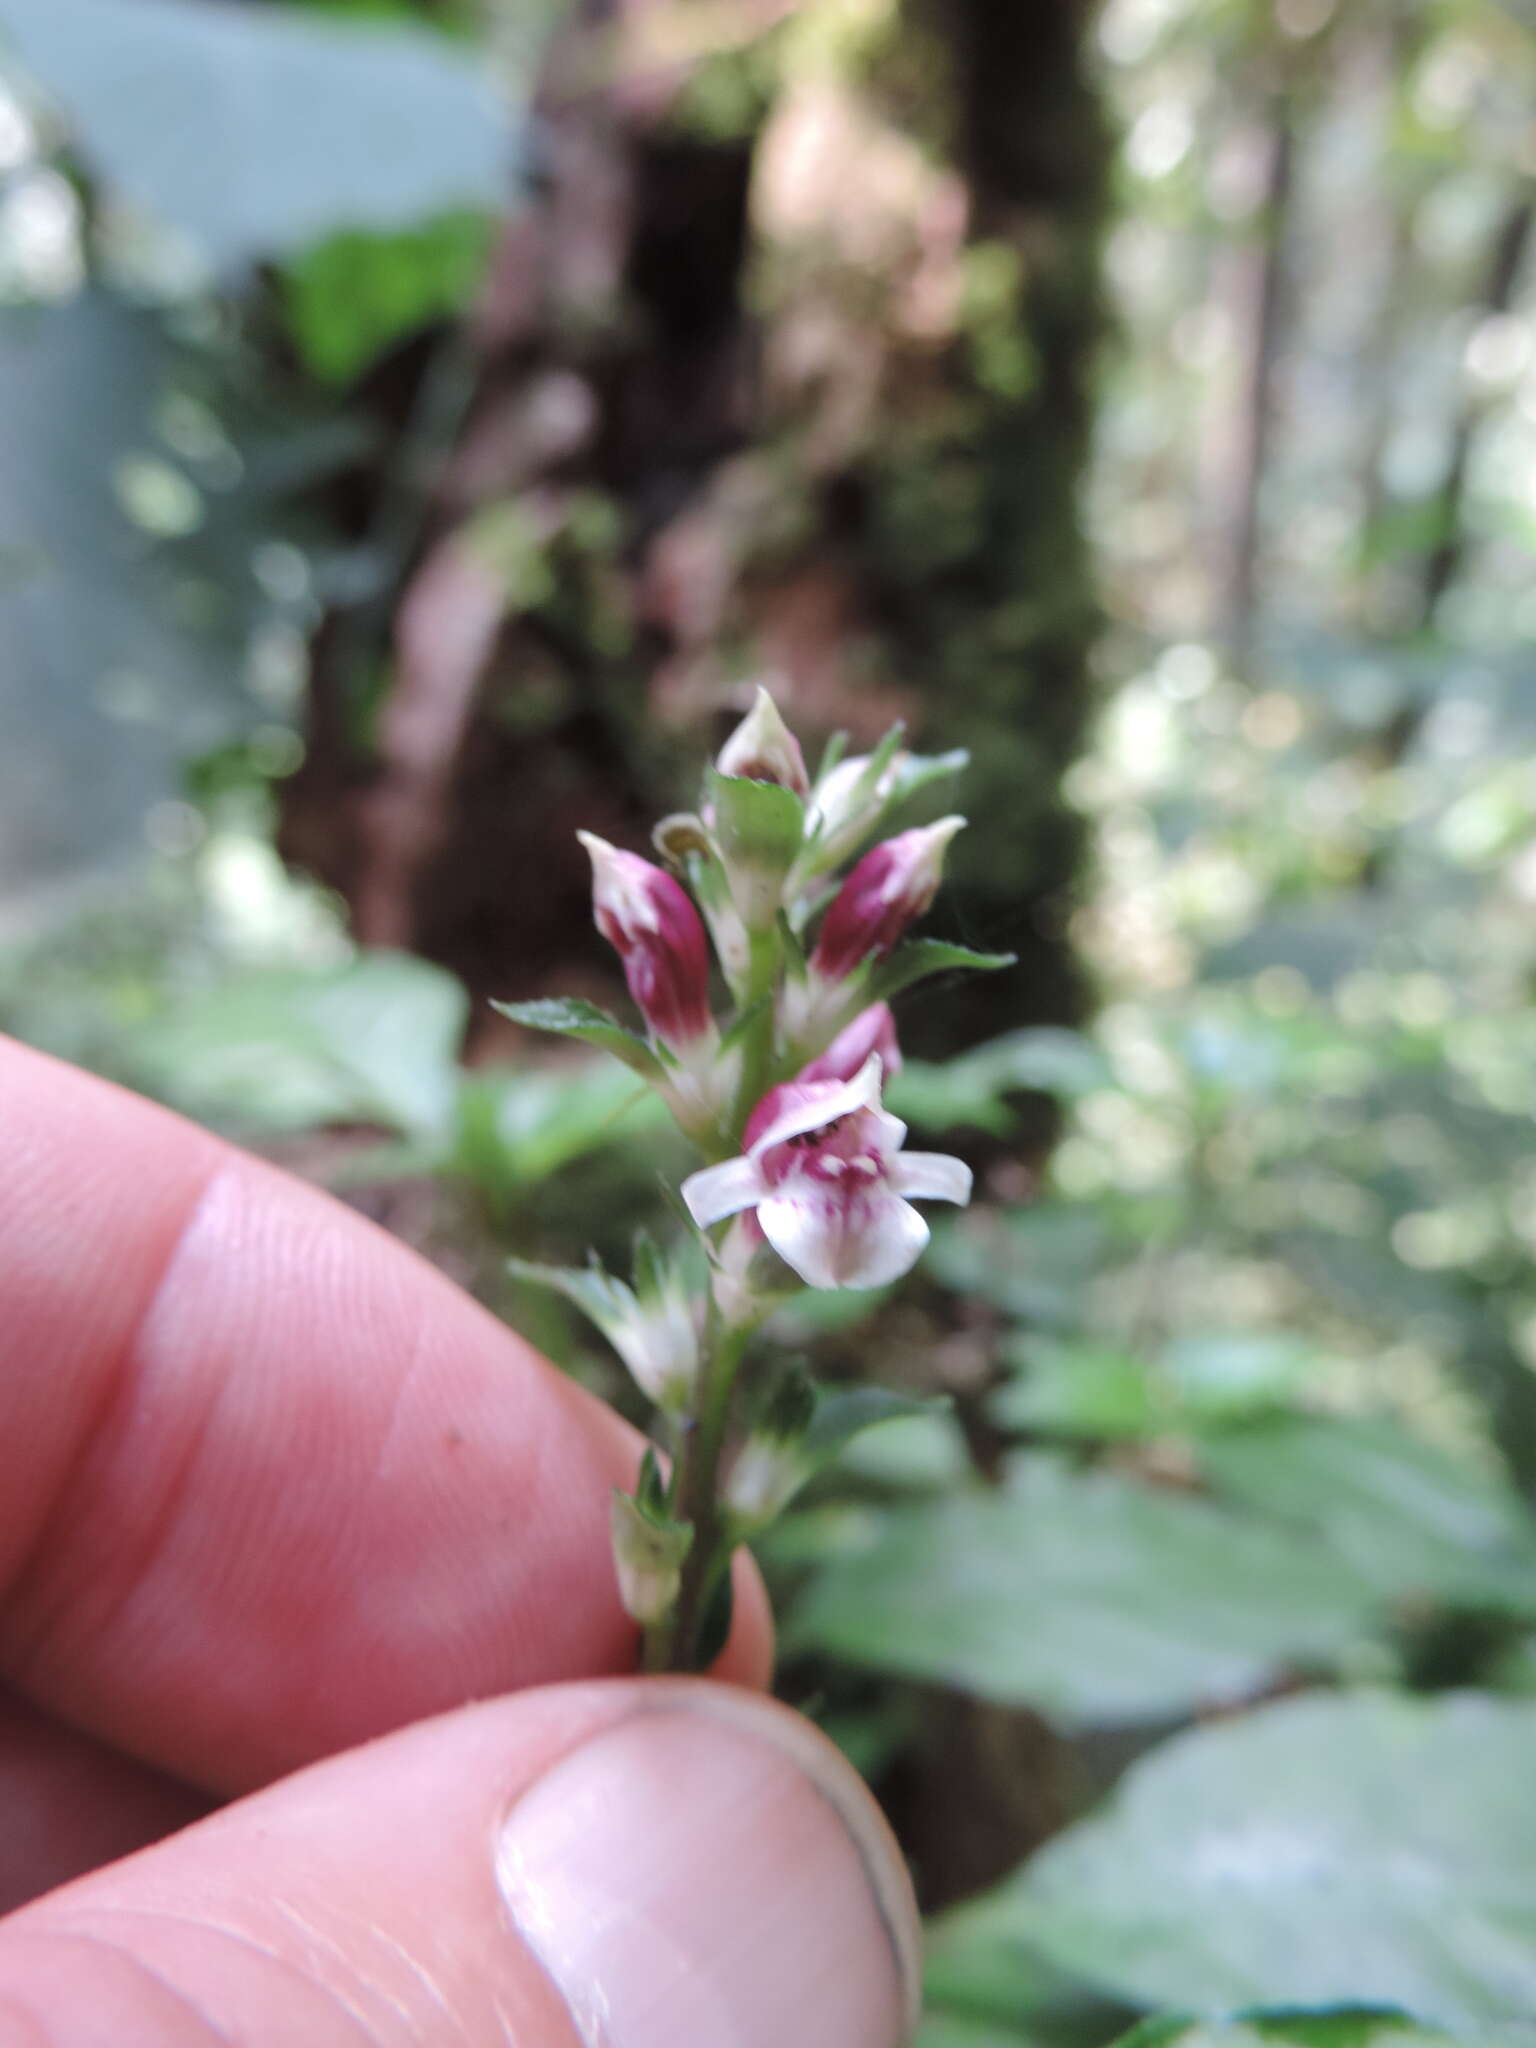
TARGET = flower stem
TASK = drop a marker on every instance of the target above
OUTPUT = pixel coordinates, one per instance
(674, 1644)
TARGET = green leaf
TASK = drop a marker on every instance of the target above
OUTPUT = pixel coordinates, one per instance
(352, 296)
(1090, 1597)
(374, 1041)
(126, 644)
(922, 957)
(571, 1018)
(1196, 1385)
(1364, 1850)
(1408, 1517)
(256, 132)
(1344, 2028)
(842, 1413)
(520, 1125)
(1079, 1389)
(974, 1088)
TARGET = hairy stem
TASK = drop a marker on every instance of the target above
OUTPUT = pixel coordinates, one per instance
(675, 1643)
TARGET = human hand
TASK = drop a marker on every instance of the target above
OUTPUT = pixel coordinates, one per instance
(273, 1489)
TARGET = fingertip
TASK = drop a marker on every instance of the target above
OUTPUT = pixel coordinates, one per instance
(747, 1659)
(652, 1863)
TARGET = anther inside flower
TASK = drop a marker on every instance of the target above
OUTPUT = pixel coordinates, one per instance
(826, 1176)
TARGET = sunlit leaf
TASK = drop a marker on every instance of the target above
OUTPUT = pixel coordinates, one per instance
(1090, 1597)
(375, 1040)
(1365, 1850)
(255, 132)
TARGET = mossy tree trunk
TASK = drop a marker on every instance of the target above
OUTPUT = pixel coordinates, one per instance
(719, 423)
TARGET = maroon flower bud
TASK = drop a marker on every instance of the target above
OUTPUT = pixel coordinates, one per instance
(650, 921)
(894, 883)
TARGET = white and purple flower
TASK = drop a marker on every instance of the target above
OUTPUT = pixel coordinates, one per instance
(825, 1175)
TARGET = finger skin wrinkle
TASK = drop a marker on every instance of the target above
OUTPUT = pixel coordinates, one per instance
(72, 1985)
(359, 1987)
(344, 1952)
(45, 1590)
(221, 1975)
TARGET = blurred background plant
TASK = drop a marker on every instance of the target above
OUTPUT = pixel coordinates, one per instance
(421, 431)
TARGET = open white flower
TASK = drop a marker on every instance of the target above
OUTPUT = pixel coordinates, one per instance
(825, 1173)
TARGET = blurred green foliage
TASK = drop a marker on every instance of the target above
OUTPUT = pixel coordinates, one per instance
(1239, 1388)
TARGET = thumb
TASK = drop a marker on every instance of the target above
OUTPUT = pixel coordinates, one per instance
(658, 1864)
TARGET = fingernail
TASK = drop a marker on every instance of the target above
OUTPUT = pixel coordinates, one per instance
(711, 1874)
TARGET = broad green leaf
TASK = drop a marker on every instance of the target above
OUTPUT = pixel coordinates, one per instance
(1090, 1597)
(1034, 1264)
(352, 296)
(1194, 1386)
(1080, 1389)
(570, 1018)
(921, 1454)
(842, 1413)
(955, 2030)
(974, 1088)
(1359, 1850)
(1336, 2029)
(256, 132)
(1216, 1374)
(375, 1040)
(976, 1979)
(1407, 1517)
(126, 642)
(519, 1125)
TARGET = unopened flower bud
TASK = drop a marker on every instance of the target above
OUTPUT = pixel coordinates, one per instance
(872, 1031)
(894, 883)
(649, 919)
(648, 1554)
(772, 1465)
(763, 749)
(846, 804)
(766, 1476)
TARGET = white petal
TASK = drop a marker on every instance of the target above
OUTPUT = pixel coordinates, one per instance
(889, 1132)
(830, 1243)
(715, 1192)
(932, 1176)
(824, 1104)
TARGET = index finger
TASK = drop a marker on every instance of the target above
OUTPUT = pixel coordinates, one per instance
(274, 1485)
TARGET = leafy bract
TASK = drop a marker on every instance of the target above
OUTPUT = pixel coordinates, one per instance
(569, 1017)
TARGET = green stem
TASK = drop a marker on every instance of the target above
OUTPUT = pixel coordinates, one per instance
(674, 1644)
(758, 1043)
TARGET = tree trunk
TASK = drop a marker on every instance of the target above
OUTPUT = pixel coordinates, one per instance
(866, 485)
